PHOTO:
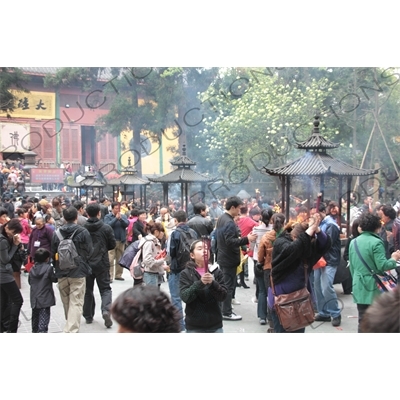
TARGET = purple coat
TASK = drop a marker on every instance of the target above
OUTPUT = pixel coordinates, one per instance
(43, 236)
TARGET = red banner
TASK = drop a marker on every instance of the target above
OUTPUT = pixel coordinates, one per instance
(47, 175)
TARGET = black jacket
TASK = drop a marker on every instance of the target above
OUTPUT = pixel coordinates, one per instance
(7, 252)
(41, 278)
(287, 254)
(201, 225)
(228, 242)
(84, 247)
(103, 240)
(138, 229)
(202, 301)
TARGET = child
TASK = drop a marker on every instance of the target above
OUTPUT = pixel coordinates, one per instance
(41, 278)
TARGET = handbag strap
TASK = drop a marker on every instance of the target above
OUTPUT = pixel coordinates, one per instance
(374, 274)
(361, 257)
(305, 265)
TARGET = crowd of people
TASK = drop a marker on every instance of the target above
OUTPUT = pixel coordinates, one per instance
(203, 253)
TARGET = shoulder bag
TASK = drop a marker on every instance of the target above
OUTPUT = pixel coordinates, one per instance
(295, 310)
(385, 281)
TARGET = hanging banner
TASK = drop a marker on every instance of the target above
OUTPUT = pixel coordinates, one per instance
(14, 138)
(38, 105)
(47, 175)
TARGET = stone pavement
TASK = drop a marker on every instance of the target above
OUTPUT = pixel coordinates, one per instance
(247, 309)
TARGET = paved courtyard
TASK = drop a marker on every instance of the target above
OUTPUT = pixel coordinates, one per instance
(247, 309)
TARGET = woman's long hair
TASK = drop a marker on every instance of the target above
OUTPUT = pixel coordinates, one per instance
(278, 219)
(266, 216)
(13, 224)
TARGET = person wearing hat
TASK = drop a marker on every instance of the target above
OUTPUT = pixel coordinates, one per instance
(215, 211)
(43, 200)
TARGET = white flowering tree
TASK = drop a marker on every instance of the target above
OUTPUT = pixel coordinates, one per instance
(254, 116)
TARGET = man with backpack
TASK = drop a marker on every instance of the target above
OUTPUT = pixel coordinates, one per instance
(103, 240)
(71, 249)
(179, 251)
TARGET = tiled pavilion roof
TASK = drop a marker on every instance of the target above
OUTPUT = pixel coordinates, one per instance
(316, 161)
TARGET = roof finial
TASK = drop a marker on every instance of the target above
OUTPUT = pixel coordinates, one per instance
(129, 161)
(184, 150)
(316, 125)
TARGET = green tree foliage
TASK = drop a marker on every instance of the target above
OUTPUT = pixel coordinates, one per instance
(11, 78)
(145, 100)
(85, 78)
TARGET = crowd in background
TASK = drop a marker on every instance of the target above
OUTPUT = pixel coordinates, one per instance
(39, 217)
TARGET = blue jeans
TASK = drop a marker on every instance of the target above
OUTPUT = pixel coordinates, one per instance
(173, 284)
(150, 279)
(325, 295)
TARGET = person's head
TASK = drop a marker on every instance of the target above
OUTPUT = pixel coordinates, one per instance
(266, 215)
(233, 205)
(197, 252)
(115, 207)
(322, 210)
(153, 210)
(333, 208)
(145, 309)
(56, 203)
(46, 208)
(214, 203)
(93, 210)
(163, 211)
(79, 206)
(243, 210)
(48, 219)
(70, 214)
(383, 315)
(155, 228)
(12, 227)
(367, 200)
(200, 209)
(278, 221)
(180, 216)
(41, 255)
(370, 223)
(255, 214)
(388, 213)
(134, 212)
(22, 213)
(35, 207)
(142, 215)
(39, 222)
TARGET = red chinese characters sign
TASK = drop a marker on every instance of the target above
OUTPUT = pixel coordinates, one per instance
(47, 175)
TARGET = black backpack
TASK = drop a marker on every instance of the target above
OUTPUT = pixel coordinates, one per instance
(68, 257)
(186, 238)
